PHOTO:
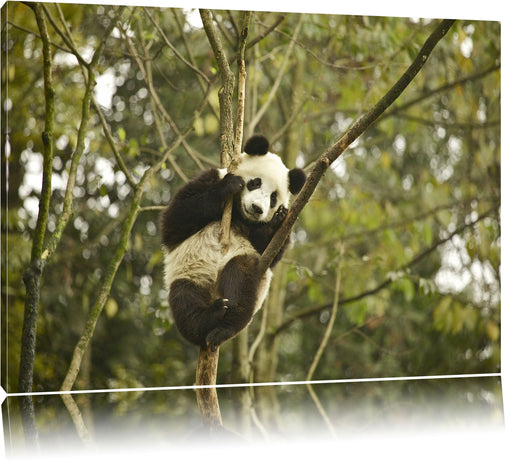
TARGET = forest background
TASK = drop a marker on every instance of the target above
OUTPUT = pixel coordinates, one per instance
(396, 257)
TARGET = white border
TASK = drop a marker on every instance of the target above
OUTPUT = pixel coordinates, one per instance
(490, 10)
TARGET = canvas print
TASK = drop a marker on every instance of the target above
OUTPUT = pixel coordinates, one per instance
(246, 226)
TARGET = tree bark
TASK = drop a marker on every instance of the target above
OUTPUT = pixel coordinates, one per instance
(206, 378)
(241, 374)
(230, 143)
(32, 277)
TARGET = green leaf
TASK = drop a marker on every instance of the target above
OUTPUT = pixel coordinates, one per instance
(427, 233)
(442, 315)
(492, 330)
(111, 308)
(357, 313)
(122, 134)
(407, 288)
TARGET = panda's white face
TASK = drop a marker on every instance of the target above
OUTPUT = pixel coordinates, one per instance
(266, 186)
(259, 199)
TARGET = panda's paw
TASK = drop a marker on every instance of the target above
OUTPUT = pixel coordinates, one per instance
(221, 303)
(279, 216)
(219, 308)
(212, 346)
(214, 339)
(233, 183)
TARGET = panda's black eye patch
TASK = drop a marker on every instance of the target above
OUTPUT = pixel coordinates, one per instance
(273, 199)
(253, 184)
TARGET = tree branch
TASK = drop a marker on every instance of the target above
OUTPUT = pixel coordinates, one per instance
(322, 346)
(174, 49)
(111, 270)
(225, 91)
(79, 148)
(226, 216)
(267, 31)
(112, 144)
(279, 77)
(446, 87)
(206, 373)
(32, 276)
(329, 156)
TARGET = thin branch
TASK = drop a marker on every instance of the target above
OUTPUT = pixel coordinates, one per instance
(293, 116)
(440, 89)
(184, 38)
(32, 277)
(225, 33)
(35, 34)
(260, 335)
(79, 148)
(386, 282)
(329, 156)
(144, 66)
(115, 261)
(241, 83)
(158, 108)
(322, 346)
(267, 31)
(66, 37)
(152, 208)
(47, 137)
(476, 125)
(226, 216)
(332, 319)
(119, 252)
(76, 417)
(111, 270)
(226, 89)
(69, 40)
(112, 144)
(395, 111)
(277, 82)
(173, 48)
(401, 223)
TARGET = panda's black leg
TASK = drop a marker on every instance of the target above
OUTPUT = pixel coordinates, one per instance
(238, 284)
(194, 314)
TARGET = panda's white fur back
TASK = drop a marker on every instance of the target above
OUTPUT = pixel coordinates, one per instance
(200, 259)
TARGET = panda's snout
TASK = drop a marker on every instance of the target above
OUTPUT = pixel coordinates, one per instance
(257, 209)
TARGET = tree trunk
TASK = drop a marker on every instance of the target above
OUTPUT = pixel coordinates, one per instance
(268, 352)
(32, 277)
(241, 371)
(266, 361)
(206, 378)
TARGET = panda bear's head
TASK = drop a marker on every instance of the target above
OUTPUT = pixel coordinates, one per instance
(268, 182)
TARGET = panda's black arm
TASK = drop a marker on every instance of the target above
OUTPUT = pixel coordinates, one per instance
(260, 242)
(261, 235)
(196, 204)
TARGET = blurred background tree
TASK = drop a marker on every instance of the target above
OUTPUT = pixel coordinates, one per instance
(414, 202)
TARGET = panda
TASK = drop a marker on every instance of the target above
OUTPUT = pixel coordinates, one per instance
(214, 294)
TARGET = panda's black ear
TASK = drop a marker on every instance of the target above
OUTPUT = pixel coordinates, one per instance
(296, 178)
(256, 145)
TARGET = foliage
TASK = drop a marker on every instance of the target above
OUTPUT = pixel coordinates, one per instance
(414, 202)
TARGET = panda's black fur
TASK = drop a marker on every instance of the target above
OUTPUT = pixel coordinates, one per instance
(213, 295)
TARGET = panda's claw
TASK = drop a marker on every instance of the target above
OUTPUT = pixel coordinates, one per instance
(211, 347)
(279, 217)
(221, 304)
(234, 183)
